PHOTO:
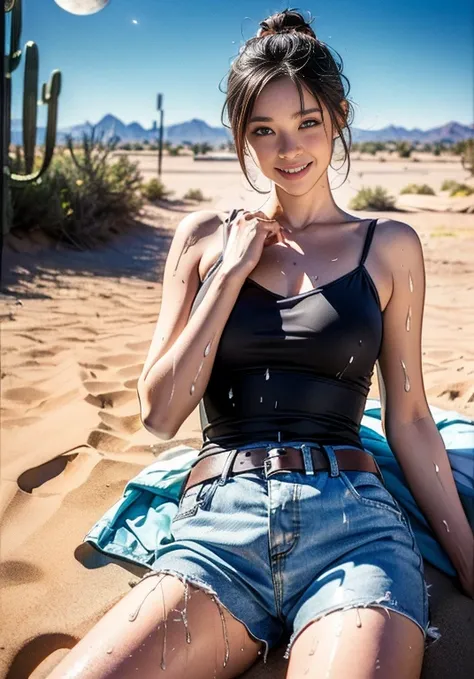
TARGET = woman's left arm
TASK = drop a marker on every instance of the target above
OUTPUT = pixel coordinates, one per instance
(406, 418)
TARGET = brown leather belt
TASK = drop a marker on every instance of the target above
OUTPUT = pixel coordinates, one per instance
(278, 459)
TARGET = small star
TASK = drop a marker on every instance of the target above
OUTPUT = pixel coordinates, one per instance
(134, 21)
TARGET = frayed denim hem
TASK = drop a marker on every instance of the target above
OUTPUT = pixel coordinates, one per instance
(208, 589)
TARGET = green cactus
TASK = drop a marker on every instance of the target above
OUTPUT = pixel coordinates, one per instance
(49, 97)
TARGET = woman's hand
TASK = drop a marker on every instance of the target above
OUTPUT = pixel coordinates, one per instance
(249, 233)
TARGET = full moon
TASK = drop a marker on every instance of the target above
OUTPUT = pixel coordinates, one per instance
(82, 6)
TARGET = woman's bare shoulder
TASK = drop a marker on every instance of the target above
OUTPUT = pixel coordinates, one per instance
(394, 237)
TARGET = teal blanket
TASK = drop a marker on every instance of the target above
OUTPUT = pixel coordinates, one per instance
(139, 523)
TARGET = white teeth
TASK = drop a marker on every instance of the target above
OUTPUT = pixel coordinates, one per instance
(296, 169)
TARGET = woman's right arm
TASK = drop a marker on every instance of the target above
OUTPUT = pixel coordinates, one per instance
(182, 352)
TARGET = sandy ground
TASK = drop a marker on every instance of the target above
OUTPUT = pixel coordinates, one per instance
(75, 331)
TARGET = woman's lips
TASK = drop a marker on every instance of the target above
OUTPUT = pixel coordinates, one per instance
(295, 175)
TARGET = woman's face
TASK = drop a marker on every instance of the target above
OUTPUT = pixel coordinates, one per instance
(288, 139)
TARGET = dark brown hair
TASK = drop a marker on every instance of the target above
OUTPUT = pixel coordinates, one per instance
(285, 46)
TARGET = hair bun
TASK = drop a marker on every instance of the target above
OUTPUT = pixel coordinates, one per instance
(287, 21)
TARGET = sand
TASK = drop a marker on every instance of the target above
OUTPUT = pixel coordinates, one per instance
(75, 332)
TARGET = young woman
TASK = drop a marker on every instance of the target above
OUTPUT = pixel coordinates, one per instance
(272, 321)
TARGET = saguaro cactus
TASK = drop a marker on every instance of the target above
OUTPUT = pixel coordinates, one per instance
(49, 97)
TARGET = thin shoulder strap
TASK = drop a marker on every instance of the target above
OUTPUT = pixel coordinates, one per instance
(368, 240)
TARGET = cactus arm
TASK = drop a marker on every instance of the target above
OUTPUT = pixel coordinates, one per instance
(52, 95)
(30, 105)
(14, 56)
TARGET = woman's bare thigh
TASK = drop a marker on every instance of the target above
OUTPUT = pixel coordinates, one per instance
(162, 628)
(362, 643)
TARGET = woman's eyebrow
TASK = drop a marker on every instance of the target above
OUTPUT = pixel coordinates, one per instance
(265, 119)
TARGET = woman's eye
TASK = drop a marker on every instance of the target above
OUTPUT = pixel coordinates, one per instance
(256, 132)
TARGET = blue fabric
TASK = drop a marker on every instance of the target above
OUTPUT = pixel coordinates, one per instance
(140, 521)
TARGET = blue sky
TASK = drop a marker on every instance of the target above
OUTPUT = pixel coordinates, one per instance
(409, 62)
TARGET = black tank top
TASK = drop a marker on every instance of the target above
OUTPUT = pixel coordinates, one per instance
(293, 368)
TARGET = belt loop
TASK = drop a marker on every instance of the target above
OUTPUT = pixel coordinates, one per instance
(307, 459)
(227, 466)
(331, 455)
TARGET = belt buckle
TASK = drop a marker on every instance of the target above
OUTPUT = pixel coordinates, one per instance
(267, 462)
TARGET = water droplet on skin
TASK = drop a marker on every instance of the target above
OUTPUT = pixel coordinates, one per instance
(408, 322)
(191, 391)
(313, 648)
(231, 393)
(436, 467)
(406, 386)
(224, 628)
(410, 281)
(335, 260)
(340, 374)
(207, 349)
(267, 374)
(446, 526)
(110, 650)
(359, 621)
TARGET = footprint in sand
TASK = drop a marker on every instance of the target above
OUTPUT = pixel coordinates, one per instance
(112, 399)
(105, 442)
(25, 395)
(125, 424)
(131, 371)
(74, 466)
(117, 360)
(138, 346)
(40, 655)
(96, 387)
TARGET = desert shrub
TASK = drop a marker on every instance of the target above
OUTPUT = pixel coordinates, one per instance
(82, 199)
(448, 184)
(175, 150)
(194, 194)
(372, 199)
(423, 189)
(155, 190)
(404, 149)
(456, 189)
(461, 190)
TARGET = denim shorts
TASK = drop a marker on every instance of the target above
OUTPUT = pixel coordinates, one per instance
(282, 551)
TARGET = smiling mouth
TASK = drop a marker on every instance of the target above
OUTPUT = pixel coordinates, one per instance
(295, 172)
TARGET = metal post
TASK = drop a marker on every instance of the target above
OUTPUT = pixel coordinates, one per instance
(159, 102)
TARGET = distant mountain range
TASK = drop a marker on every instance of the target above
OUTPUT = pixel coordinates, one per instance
(198, 131)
